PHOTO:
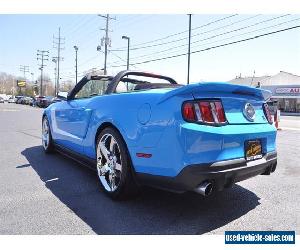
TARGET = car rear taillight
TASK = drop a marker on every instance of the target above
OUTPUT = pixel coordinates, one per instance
(204, 111)
(267, 113)
(188, 111)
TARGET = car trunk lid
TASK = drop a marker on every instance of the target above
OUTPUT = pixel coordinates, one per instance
(235, 99)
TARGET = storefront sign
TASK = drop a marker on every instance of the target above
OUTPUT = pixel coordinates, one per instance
(287, 91)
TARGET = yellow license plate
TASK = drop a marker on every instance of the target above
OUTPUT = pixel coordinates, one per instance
(253, 150)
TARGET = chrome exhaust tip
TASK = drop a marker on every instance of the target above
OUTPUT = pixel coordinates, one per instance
(205, 188)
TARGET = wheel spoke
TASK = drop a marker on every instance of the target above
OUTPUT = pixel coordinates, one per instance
(104, 150)
(112, 144)
(112, 183)
(103, 169)
(118, 166)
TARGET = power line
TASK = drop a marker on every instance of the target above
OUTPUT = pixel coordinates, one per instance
(214, 36)
(90, 34)
(134, 21)
(83, 63)
(241, 34)
(207, 24)
(183, 45)
(81, 24)
(179, 33)
(73, 22)
(114, 54)
(181, 39)
(213, 47)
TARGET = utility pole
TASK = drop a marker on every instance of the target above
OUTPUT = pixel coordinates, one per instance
(57, 43)
(76, 72)
(42, 55)
(54, 59)
(24, 69)
(189, 48)
(106, 40)
(128, 48)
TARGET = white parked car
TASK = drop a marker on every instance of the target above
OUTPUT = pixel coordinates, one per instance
(12, 100)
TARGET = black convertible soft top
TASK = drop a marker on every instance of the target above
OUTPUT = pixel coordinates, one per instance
(127, 73)
(124, 76)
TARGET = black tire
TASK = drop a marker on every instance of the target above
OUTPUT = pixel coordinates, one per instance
(49, 146)
(127, 186)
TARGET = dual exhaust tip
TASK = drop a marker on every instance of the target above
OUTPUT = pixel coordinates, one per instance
(205, 188)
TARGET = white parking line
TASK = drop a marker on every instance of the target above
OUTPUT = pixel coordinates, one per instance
(288, 128)
(10, 110)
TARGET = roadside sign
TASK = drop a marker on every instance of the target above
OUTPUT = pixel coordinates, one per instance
(21, 83)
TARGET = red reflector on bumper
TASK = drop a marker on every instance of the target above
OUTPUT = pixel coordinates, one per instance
(143, 155)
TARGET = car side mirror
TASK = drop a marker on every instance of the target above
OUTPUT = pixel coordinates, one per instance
(62, 96)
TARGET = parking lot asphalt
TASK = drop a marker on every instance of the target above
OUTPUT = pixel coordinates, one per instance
(49, 194)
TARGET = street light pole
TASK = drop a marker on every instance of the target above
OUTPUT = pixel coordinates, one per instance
(32, 77)
(128, 47)
(13, 87)
(76, 50)
(41, 83)
(32, 81)
(189, 49)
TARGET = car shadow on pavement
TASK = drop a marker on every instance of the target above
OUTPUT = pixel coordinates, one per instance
(152, 212)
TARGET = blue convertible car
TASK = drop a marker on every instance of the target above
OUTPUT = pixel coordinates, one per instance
(138, 128)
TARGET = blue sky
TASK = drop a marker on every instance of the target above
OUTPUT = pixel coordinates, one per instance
(22, 35)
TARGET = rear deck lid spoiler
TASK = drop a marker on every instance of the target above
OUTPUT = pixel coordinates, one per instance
(217, 88)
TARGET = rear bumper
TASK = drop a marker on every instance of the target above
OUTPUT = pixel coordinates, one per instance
(221, 174)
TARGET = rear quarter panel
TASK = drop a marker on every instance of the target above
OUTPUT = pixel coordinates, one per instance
(137, 115)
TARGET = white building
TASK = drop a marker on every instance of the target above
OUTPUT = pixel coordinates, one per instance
(285, 88)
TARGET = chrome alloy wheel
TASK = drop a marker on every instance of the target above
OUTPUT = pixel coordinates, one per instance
(109, 165)
(45, 134)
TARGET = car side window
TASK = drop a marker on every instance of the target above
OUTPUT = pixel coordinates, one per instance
(92, 88)
(125, 87)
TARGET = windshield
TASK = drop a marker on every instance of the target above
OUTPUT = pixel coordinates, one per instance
(93, 88)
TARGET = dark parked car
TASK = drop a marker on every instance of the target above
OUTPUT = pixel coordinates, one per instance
(47, 101)
(1, 100)
(20, 99)
(38, 101)
(27, 100)
(32, 101)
